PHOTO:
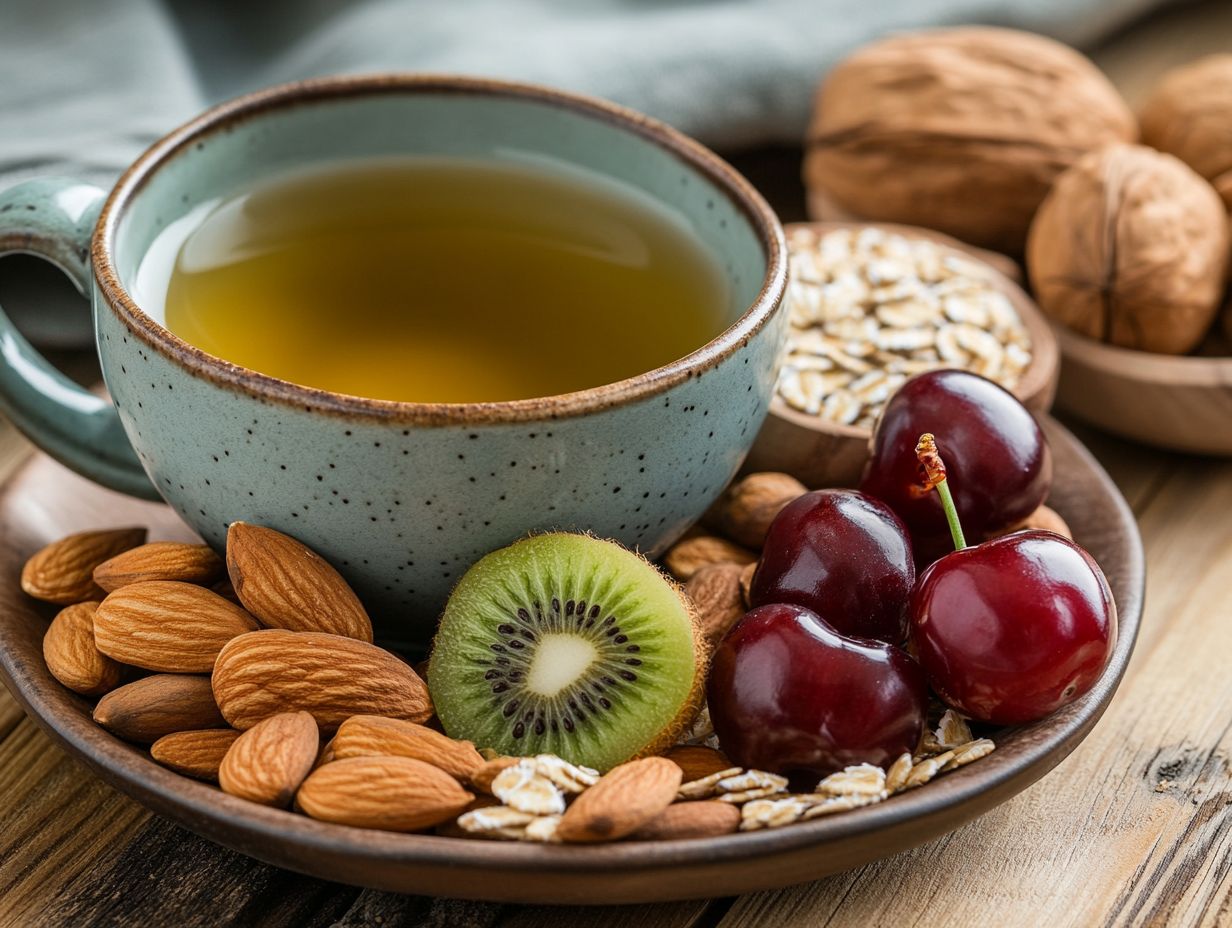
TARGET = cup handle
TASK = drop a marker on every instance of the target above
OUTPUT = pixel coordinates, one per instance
(53, 218)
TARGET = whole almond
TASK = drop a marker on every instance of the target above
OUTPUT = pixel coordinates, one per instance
(482, 777)
(167, 625)
(697, 761)
(390, 793)
(685, 558)
(268, 762)
(195, 754)
(715, 590)
(146, 709)
(625, 799)
(287, 585)
(63, 571)
(744, 512)
(73, 658)
(373, 735)
(330, 676)
(704, 819)
(160, 560)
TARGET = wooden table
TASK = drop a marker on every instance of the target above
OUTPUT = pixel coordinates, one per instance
(1134, 828)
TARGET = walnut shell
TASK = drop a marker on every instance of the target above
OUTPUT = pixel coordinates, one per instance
(1190, 115)
(959, 130)
(1131, 247)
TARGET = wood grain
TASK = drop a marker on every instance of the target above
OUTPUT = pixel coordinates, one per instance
(1150, 858)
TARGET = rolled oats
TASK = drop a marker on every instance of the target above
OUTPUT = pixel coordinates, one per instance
(952, 730)
(860, 780)
(870, 303)
(524, 788)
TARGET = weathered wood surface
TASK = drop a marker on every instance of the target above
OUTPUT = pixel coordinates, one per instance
(1135, 828)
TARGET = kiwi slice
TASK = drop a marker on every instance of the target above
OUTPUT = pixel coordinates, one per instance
(569, 645)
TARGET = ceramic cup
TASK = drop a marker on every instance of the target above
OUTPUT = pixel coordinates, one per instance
(402, 497)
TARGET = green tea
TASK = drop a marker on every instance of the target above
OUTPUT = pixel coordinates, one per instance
(450, 281)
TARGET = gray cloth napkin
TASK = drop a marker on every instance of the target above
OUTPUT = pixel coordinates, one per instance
(85, 85)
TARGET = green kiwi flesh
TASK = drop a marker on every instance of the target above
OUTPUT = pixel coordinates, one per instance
(569, 645)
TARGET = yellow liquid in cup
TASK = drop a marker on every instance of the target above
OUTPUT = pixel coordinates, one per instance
(445, 281)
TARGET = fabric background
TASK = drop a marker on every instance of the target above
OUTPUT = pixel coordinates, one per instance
(85, 85)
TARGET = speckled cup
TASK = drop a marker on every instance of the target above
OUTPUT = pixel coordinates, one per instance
(402, 497)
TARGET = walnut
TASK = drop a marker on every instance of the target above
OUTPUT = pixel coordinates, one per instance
(959, 130)
(1190, 115)
(1130, 247)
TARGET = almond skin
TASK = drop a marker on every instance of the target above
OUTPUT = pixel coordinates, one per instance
(390, 793)
(147, 709)
(704, 819)
(369, 735)
(73, 658)
(267, 763)
(685, 558)
(696, 761)
(160, 560)
(332, 677)
(482, 777)
(196, 754)
(625, 799)
(168, 626)
(744, 512)
(63, 571)
(287, 585)
(715, 590)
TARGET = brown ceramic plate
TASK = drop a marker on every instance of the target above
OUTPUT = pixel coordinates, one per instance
(43, 501)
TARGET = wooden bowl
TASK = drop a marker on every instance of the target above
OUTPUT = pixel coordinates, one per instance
(1179, 402)
(825, 454)
(44, 501)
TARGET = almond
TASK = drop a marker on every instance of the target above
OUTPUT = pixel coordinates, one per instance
(391, 793)
(369, 735)
(287, 585)
(715, 590)
(625, 799)
(685, 558)
(73, 658)
(482, 777)
(63, 571)
(160, 560)
(697, 761)
(704, 819)
(267, 763)
(195, 754)
(745, 511)
(331, 676)
(146, 709)
(167, 625)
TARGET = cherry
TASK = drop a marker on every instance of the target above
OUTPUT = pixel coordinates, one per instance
(1012, 629)
(789, 694)
(996, 452)
(845, 556)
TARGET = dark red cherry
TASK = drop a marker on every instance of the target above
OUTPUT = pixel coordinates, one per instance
(789, 694)
(998, 459)
(845, 556)
(1012, 629)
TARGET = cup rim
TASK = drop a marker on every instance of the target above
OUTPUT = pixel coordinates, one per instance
(197, 362)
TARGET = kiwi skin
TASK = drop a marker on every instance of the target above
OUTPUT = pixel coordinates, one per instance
(459, 707)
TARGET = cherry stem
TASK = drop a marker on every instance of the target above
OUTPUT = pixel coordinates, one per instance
(933, 477)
